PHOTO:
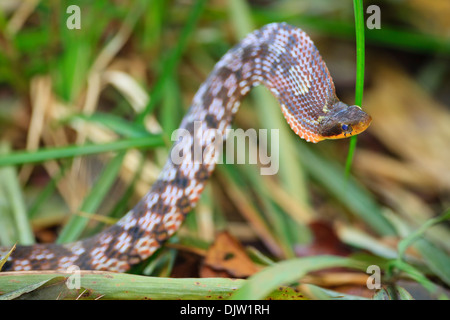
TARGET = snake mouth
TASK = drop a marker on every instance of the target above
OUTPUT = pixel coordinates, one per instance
(344, 122)
(362, 125)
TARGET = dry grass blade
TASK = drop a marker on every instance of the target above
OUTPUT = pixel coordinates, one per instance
(5, 258)
(22, 13)
(410, 124)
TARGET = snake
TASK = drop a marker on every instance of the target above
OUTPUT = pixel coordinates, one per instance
(279, 56)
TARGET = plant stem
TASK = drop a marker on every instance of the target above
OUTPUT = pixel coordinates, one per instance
(360, 53)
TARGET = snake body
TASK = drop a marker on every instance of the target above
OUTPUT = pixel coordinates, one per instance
(279, 56)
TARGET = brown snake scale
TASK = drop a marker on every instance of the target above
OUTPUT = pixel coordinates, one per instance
(279, 56)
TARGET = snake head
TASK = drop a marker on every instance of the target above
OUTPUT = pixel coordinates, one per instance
(342, 121)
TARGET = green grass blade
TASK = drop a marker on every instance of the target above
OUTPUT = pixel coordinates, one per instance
(317, 293)
(435, 258)
(152, 27)
(171, 110)
(121, 286)
(414, 274)
(290, 172)
(171, 62)
(7, 228)
(116, 124)
(6, 256)
(360, 62)
(45, 194)
(13, 192)
(345, 190)
(16, 158)
(286, 272)
(406, 242)
(288, 231)
(241, 17)
(75, 226)
(392, 293)
(122, 204)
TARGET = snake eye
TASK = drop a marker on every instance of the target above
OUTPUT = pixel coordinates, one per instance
(344, 127)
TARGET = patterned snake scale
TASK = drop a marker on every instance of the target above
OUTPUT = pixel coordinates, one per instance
(279, 56)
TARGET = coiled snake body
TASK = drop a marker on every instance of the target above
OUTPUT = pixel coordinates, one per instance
(281, 57)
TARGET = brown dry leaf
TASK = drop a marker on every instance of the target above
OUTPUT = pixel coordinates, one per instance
(412, 125)
(186, 265)
(333, 279)
(227, 258)
(351, 283)
(325, 241)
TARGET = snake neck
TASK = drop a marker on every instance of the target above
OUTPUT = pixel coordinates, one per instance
(282, 58)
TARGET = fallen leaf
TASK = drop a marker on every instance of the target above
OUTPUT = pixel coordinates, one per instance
(227, 258)
(324, 241)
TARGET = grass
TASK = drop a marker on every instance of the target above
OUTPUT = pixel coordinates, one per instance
(116, 286)
(168, 51)
(360, 65)
(151, 141)
(12, 191)
(288, 271)
(172, 60)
